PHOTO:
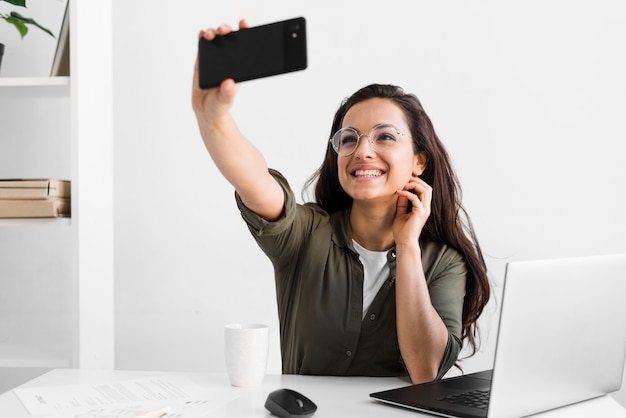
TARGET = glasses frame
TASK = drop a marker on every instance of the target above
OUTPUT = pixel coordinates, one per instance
(336, 147)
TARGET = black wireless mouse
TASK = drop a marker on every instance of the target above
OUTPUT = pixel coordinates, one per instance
(287, 403)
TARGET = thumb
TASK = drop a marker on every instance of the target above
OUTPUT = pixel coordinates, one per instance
(228, 91)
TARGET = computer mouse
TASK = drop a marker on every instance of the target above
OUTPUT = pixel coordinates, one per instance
(287, 403)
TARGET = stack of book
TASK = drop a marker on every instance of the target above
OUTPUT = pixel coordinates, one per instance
(34, 198)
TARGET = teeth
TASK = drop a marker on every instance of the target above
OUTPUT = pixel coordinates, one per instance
(367, 173)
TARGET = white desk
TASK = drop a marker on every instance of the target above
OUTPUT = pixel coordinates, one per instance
(334, 396)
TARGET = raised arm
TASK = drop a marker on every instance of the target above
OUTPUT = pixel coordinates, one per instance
(239, 161)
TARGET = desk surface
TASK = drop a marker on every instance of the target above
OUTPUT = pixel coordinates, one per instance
(334, 396)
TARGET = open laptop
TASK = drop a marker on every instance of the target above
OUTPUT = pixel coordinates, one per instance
(561, 340)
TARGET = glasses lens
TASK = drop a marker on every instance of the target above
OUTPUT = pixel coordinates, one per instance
(345, 141)
(384, 137)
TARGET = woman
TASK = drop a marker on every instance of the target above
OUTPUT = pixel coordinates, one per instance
(377, 276)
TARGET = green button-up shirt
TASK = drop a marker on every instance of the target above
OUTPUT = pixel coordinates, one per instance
(319, 290)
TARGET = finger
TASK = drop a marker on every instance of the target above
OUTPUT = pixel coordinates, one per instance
(195, 74)
(402, 206)
(405, 196)
(243, 24)
(208, 34)
(228, 90)
(418, 186)
(224, 29)
(424, 193)
(417, 202)
(418, 180)
(423, 197)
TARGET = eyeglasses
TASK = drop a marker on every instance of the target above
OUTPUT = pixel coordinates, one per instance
(382, 138)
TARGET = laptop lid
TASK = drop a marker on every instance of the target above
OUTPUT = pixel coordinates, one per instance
(561, 339)
(562, 334)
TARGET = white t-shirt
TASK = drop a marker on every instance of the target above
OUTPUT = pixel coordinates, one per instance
(375, 273)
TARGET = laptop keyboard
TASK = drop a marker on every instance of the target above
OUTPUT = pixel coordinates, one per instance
(478, 398)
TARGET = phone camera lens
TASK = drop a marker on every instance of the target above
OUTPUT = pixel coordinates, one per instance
(293, 30)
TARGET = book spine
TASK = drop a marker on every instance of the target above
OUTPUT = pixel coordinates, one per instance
(34, 189)
(33, 208)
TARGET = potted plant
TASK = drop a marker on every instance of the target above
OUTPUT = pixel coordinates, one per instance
(19, 22)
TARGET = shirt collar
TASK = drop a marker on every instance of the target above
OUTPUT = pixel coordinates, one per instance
(342, 234)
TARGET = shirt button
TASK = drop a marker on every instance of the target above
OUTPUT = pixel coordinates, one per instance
(348, 353)
(373, 317)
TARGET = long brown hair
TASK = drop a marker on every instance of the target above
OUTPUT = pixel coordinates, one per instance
(448, 222)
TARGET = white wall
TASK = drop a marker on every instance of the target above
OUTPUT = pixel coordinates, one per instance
(527, 96)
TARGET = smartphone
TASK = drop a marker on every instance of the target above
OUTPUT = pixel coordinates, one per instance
(253, 53)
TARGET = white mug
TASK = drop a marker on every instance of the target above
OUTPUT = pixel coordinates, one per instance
(245, 350)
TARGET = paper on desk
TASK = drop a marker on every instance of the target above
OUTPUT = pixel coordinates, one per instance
(124, 399)
(188, 409)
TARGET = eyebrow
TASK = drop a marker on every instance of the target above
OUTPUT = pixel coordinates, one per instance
(373, 127)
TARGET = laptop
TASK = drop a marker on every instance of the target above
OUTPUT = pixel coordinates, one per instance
(561, 340)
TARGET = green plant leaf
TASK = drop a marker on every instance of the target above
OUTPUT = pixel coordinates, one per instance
(19, 25)
(29, 21)
(16, 2)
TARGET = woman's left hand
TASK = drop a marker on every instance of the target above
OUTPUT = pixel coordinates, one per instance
(407, 226)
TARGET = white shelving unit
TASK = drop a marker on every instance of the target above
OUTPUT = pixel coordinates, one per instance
(56, 275)
(35, 221)
(34, 81)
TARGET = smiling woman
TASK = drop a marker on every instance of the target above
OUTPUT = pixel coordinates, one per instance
(367, 281)
(433, 192)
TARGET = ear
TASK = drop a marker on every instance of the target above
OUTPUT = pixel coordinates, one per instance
(419, 164)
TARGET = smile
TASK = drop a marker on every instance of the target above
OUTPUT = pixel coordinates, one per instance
(367, 173)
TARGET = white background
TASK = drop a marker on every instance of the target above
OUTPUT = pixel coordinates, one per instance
(527, 96)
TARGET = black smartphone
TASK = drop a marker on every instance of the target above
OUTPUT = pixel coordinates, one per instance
(252, 53)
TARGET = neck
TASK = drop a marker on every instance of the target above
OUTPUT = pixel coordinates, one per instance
(372, 228)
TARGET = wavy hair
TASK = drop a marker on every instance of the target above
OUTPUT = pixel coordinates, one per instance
(448, 223)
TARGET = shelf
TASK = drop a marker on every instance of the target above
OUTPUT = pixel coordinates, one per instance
(61, 127)
(35, 221)
(33, 81)
(30, 355)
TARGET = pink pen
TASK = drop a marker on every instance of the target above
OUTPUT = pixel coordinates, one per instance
(156, 413)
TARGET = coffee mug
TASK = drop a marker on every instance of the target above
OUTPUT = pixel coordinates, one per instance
(245, 351)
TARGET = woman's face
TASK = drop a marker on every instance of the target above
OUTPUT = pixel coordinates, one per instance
(373, 176)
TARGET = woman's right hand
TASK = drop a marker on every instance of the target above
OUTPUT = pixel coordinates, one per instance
(215, 103)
